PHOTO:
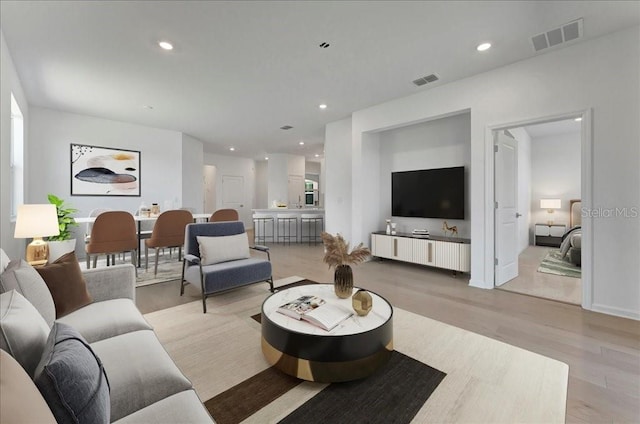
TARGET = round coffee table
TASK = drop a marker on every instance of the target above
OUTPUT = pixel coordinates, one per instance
(354, 349)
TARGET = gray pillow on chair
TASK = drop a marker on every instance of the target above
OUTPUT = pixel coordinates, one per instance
(72, 380)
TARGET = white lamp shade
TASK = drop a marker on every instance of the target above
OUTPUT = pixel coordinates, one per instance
(550, 204)
(36, 221)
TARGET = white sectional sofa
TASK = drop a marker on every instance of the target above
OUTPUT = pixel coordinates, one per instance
(145, 386)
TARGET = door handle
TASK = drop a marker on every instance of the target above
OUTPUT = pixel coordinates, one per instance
(518, 215)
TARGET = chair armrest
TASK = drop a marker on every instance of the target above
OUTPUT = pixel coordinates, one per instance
(114, 282)
(193, 259)
(264, 249)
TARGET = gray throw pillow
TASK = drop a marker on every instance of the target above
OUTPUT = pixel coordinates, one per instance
(72, 379)
(23, 278)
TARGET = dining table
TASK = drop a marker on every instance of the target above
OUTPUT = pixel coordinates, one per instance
(139, 220)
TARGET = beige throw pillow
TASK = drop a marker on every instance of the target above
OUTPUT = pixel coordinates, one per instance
(218, 249)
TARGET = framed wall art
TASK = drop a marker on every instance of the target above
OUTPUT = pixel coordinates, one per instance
(104, 171)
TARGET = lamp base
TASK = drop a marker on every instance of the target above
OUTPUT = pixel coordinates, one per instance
(37, 252)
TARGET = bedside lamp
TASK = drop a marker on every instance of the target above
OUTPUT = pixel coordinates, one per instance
(37, 221)
(550, 205)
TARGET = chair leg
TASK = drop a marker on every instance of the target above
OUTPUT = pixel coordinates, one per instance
(146, 257)
(270, 281)
(88, 261)
(179, 253)
(155, 269)
(134, 261)
(95, 261)
(184, 265)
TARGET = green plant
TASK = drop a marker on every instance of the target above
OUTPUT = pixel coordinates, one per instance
(65, 220)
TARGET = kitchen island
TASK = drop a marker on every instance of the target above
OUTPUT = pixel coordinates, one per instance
(270, 230)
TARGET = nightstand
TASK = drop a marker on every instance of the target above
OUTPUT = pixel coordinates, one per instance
(549, 234)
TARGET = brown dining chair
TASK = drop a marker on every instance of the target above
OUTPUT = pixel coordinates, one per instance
(112, 232)
(168, 231)
(224, 215)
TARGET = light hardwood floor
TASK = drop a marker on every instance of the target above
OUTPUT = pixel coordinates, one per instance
(547, 286)
(602, 351)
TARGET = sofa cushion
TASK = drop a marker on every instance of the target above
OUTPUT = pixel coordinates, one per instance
(24, 331)
(23, 278)
(218, 249)
(229, 275)
(71, 378)
(20, 400)
(140, 371)
(184, 407)
(66, 284)
(101, 320)
(4, 260)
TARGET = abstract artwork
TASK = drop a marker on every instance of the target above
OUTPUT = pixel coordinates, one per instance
(103, 171)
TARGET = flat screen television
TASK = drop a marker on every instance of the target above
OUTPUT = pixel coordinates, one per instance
(428, 193)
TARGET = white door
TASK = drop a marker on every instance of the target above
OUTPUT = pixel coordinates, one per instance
(506, 212)
(296, 191)
(233, 195)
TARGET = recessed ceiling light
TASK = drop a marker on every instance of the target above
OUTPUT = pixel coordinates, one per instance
(578, 119)
(233, 149)
(165, 45)
(317, 155)
(483, 47)
(301, 143)
(266, 158)
(148, 107)
(322, 106)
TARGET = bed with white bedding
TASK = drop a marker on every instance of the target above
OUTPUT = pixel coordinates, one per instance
(571, 247)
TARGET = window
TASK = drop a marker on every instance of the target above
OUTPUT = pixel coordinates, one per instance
(17, 157)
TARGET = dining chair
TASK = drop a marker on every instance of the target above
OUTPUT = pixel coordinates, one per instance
(224, 215)
(168, 231)
(112, 232)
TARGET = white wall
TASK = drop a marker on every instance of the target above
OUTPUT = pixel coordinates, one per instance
(525, 234)
(277, 172)
(10, 83)
(262, 184)
(552, 84)
(441, 143)
(555, 173)
(192, 173)
(337, 187)
(235, 166)
(52, 132)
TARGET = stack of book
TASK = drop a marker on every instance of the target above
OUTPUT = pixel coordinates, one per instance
(420, 233)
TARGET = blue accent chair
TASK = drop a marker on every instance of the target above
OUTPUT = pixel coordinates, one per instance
(220, 277)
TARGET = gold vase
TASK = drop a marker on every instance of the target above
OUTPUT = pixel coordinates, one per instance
(343, 281)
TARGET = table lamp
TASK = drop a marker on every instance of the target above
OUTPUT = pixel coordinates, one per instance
(37, 221)
(550, 205)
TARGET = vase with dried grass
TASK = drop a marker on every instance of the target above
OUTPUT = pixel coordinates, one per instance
(337, 255)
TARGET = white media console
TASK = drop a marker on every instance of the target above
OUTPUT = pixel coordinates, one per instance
(441, 252)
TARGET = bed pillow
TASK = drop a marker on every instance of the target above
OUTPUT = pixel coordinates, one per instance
(72, 379)
(218, 249)
(66, 284)
(23, 331)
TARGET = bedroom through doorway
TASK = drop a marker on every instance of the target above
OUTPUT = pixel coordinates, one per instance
(548, 211)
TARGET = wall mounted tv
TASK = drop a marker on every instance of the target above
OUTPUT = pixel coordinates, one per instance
(428, 193)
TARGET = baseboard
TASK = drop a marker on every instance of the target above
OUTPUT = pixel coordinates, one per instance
(619, 312)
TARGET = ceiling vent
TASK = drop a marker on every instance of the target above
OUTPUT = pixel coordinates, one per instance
(286, 127)
(556, 36)
(426, 80)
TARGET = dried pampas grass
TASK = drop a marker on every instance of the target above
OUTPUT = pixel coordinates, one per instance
(337, 251)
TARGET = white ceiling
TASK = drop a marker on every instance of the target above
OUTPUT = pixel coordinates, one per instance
(567, 126)
(240, 70)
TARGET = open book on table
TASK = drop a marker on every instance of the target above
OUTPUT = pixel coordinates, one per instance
(315, 311)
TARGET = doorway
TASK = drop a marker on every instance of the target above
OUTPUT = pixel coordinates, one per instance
(549, 178)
